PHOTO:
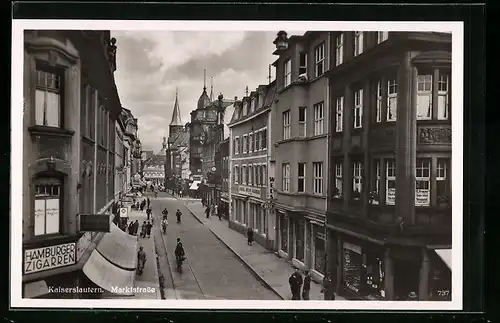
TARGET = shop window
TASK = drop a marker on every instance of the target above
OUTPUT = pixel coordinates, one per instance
(374, 284)
(358, 109)
(390, 182)
(378, 112)
(357, 180)
(358, 42)
(392, 99)
(352, 262)
(319, 54)
(443, 96)
(443, 182)
(319, 249)
(302, 63)
(338, 189)
(47, 207)
(424, 97)
(301, 185)
(299, 239)
(422, 182)
(285, 171)
(284, 233)
(339, 49)
(302, 122)
(48, 96)
(318, 118)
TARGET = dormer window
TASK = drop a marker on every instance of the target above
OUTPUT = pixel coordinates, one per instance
(302, 63)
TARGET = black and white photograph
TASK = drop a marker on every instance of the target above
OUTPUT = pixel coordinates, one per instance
(243, 164)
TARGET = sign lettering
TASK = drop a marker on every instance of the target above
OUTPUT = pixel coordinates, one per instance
(51, 257)
(251, 191)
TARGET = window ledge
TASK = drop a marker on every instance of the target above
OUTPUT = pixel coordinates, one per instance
(50, 131)
(88, 140)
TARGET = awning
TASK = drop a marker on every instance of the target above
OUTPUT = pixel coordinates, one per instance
(195, 185)
(34, 289)
(445, 255)
(119, 248)
(108, 276)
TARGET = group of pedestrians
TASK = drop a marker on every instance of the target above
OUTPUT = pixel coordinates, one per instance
(213, 210)
(146, 226)
(297, 282)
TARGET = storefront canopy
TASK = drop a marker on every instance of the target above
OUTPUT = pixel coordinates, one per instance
(119, 248)
(108, 276)
(195, 185)
(445, 255)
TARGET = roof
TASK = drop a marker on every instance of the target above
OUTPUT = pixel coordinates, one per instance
(269, 93)
(176, 114)
(204, 100)
(180, 139)
(155, 160)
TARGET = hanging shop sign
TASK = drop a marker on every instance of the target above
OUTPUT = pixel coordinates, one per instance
(94, 222)
(46, 258)
(123, 212)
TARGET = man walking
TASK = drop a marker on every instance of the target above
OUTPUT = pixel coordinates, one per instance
(295, 282)
(207, 212)
(148, 229)
(307, 286)
(148, 212)
(328, 287)
(136, 227)
(149, 202)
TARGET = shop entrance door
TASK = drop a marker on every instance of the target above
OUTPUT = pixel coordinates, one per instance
(406, 278)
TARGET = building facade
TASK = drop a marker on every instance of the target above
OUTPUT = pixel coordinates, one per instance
(120, 171)
(299, 151)
(130, 147)
(223, 192)
(249, 165)
(389, 210)
(71, 105)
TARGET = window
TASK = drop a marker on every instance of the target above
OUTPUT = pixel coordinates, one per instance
(390, 195)
(301, 185)
(443, 182)
(246, 178)
(241, 175)
(288, 72)
(262, 175)
(245, 108)
(236, 175)
(240, 145)
(358, 108)
(392, 100)
(245, 143)
(251, 142)
(422, 182)
(443, 96)
(285, 171)
(286, 125)
(378, 113)
(92, 108)
(48, 97)
(424, 99)
(358, 43)
(302, 63)
(339, 49)
(302, 121)
(337, 192)
(318, 118)
(250, 175)
(258, 136)
(375, 194)
(357, 180)
(382, 36)
(264, 139)
(47, 206)
(236, 145)
(339, 117)
(319, 54)
(318, 178)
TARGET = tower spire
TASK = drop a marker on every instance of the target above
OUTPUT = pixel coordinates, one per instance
(176, 114)
(211, 89)
(204, 79)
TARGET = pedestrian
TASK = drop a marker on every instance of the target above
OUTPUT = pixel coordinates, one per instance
(328, 287)
(178, 214)
(207, 211)
(249, 236)
(295, 282)
(136, 227)
(148, 212)
(148, 229)
(131, 228)
(216, 211)
(148, 201)
(307, 286)
(143, 229)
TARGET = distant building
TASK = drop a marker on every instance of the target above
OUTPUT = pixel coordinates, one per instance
(154, 168)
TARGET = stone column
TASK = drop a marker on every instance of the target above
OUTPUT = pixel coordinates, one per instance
(423, 287)
(346, 145)
(389, 276)
(406, 140)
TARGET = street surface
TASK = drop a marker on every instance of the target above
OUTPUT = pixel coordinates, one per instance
(211, 270)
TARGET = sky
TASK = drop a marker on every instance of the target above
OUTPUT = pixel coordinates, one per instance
(152, 64)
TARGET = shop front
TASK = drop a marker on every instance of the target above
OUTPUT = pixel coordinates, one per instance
(318, 261)
(224, 205)
(283, 233)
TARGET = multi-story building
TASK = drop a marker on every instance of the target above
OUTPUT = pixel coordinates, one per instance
(389, 214)
(71, 105)
(299, 150)
(223, 192)
(154, 167)
(120, 171)
(132, 149)
(249, 163)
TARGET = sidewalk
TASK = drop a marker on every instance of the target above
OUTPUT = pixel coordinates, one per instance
(148, 282)
(272, 270)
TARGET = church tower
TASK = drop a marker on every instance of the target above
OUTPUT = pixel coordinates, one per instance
(176, 125)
